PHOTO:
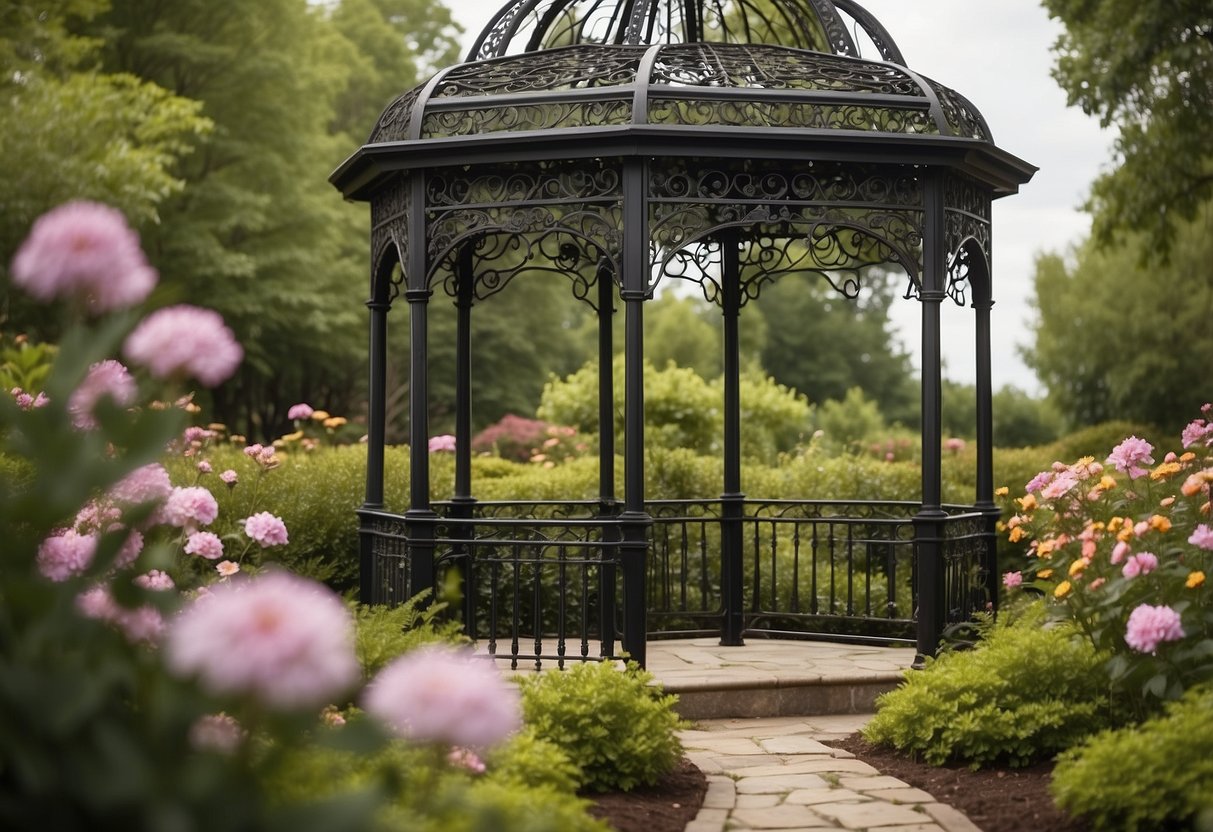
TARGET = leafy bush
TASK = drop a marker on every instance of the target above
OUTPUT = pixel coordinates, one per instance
(383, 632)
(847, 423)
(1022, 695)
(616, 725)
(527, 760)
(1156, 775)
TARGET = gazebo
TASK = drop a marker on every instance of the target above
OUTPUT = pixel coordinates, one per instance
(622, 144)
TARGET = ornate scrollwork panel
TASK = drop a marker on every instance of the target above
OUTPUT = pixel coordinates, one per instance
(393, 123)
(962, 117)
(517, 117)
(705, 181)
(791, 114)
(966, 217)
(533, 183)
(389, 227)
(571, 67)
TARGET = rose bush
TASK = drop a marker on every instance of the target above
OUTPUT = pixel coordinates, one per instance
(1122, 547)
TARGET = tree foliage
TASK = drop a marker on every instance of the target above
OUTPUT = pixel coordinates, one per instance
(1146, 69)
(1116, 339)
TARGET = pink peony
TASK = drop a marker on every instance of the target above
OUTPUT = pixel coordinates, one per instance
(1012, 579)
(216, 732)
(227, 568)
(185, 341)
(149, 484)
(448, 696)
(230, 478)
(142, 624)
(66, 554)
(1130, 455)
(203, 467)
(155, 581)
(1202, 536)
(445, 442)
(105, 379)
(1149, 626)
(1143, 563)
(1119, 551)
(132, 545)
(97, 603)
(285, 640)
(300, 411)
(1039, 481)
(1196, 431)
(204, 545)
(95, 516)
(1059, 485)
(265, 529)
(190, 507)
(84, 250)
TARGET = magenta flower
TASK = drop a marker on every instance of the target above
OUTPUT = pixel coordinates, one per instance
(303, 410)
(1150, 626)
(27, 402)
(84, 250)
(448, 696)
(105, 379)
(185, 341)
(66, 554)
(1012, 579)
(265, 529)
(282, 639)
(190, 507)
(1130, 455)
(1039, 481)
(1143, 563)
(148, 484)
(1202, 536)
(155, 581)
(445, 442)
(204, 545)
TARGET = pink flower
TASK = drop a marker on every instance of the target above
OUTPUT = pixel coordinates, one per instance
(142, 624)
(1059, 485)
(1039, 481)
(203, 467)
(1149, 626)
(190, 507)
(300, 411)
(445, 442)
(227, 568)
(448, 696)
(216, 732)
(1196, 431)
(27, 402)
(95, 516)
(66, 554)
(1012, 579)
(1130, 455)
(285, 640)
(97, 603)
(194, 435)
(185, 341)
(266, 529)
(149, 484)
(1119, 551)
(230, 477)
(954, 444)
(105, 379)
(1142, 563)
(204, 545)
(1202, 536)
(84, 250)
(130, 549)
(466, 758)
(155, 581)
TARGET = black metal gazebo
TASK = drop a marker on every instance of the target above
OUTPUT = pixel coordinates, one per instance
(621, 143)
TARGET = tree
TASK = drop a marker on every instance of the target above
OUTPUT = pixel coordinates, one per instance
(1118, 340)
(1146, 69)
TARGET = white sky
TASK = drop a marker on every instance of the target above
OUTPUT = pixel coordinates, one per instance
(997, 53)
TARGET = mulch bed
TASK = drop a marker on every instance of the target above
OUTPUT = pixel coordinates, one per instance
(996, 800)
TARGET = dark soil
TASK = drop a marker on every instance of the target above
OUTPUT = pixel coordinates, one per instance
(996, 800)
(667, 806)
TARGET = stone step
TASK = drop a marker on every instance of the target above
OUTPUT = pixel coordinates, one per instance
(785, 696)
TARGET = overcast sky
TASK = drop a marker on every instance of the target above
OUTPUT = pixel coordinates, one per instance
(998, 54)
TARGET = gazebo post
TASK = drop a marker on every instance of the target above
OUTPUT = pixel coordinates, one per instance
(462, 501)
(608, 507)
(375, 438)
(984, 497)
(635, 520)
(732, 577)
(928, 523)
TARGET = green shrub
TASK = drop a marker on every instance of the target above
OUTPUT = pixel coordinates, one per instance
(383, 632)
(1156, 775)
(527, 760)
(617, 725)
(1023, 694)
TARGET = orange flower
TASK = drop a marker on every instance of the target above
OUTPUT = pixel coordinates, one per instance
(1165, 470)
(1166, 502)
(1016, 534)
(1077, 566)
(1027, 502)
(1160, 524)
(1107, 483)
(1002, 492)
(1115, 523)
(1045, 548)
(1195, 579)
(1045, 573)
(1063, 589)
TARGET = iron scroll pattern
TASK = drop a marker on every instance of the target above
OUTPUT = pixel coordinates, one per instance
(583, 66)
(829, 220)
(962, 117)
(393, 123)
(808, 115)
(966, 218)
(520, 117)
(389, 228)
(553, 217)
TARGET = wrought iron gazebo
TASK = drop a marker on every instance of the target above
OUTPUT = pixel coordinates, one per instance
(731, 143)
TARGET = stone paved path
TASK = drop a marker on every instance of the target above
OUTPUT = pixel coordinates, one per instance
(776, 773)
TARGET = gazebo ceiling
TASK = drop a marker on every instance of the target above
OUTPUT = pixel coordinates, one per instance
(759, 78)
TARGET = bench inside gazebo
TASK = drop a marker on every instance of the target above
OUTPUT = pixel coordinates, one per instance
(623, 144)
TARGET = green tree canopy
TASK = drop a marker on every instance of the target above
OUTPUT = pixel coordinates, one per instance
(1115, 339)
(1146, 69)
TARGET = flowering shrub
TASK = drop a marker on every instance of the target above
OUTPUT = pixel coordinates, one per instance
(1122, 547)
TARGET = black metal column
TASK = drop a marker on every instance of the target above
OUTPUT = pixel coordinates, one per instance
(375, 435)
(462, 501)
(732, 501)
(928, 523)
(984, 498)
(608, 507)
(635, 520)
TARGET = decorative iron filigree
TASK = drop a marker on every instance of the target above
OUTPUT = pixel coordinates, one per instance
(393, 123)
(835, 29)
(966, 215)
(958, 285)
(566, 68)
(389, 228)
(791, 114)
(748, 66)
(516, 117)
(703, 180)
(580, 181)
(962, 117)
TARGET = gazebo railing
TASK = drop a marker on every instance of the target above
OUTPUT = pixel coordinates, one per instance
(539, 581)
